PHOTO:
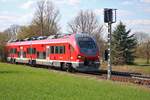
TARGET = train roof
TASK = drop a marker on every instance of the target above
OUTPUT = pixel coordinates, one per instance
(66, 38)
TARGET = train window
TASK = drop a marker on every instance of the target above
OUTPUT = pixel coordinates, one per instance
(52, 49)
(44, 55)
(11, 51)
(19, 54)
(62, 50)
(31, 50)
(15, 51)
(37, 54)
(56, 49)
(24, 54)
(41, 55)
(27, 50)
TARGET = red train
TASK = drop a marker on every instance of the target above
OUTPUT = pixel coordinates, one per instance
(71, 52)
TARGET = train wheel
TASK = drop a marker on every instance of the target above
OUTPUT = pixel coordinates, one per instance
(14, 61)
(62, 66)
(70, 68)
(33, 63)
(11, 60)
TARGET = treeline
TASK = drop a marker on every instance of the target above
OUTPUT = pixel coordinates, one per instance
(46, 22)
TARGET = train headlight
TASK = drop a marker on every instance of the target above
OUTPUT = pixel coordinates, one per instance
(81, 57)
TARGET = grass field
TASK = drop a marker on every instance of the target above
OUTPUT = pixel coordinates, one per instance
(20, 82)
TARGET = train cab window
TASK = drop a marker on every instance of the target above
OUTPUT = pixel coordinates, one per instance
(87, 44)
(52, 49)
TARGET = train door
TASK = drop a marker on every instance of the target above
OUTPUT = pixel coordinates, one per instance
(71, 53)
(47, 52)
(21, 52)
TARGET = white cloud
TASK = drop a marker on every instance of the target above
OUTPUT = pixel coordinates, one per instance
(124, 12)
(67, 2)
(3, 1)
(73, 2)
(99, 11)
(127, 2)
(138, 25)
(145, 22)
(28, 4)
(147, 10)
(7, 19)
(145, 1)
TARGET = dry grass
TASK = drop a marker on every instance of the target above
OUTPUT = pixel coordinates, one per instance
(139, 67)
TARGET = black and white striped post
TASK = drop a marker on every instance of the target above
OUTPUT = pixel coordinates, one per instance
(108, 18)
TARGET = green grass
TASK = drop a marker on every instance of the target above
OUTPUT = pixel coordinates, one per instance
(20, 82)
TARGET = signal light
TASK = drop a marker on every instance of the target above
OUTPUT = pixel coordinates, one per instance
(106, 55)
(108, 15)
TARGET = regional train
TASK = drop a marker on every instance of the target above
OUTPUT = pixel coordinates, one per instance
(71, 52)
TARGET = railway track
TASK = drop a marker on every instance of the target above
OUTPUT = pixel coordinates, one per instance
(135, 78)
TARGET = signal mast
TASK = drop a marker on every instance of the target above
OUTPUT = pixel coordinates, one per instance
(109, 18)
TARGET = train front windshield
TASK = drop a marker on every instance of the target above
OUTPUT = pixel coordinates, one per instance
(87, 44)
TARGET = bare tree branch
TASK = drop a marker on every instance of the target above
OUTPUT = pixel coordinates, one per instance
(46, 18)
(87, 22)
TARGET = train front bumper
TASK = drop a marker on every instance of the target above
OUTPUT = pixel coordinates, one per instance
(80, 66)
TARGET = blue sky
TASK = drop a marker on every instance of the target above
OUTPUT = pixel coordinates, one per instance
(134, 13)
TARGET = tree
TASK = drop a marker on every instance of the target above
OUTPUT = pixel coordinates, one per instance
(123, 45)
(46, 18)
(87, 22)
(52, 16)
(3, 41)
(12, 32)
(147, 50)
(39, 16)
(143, 48)
(28, 31)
